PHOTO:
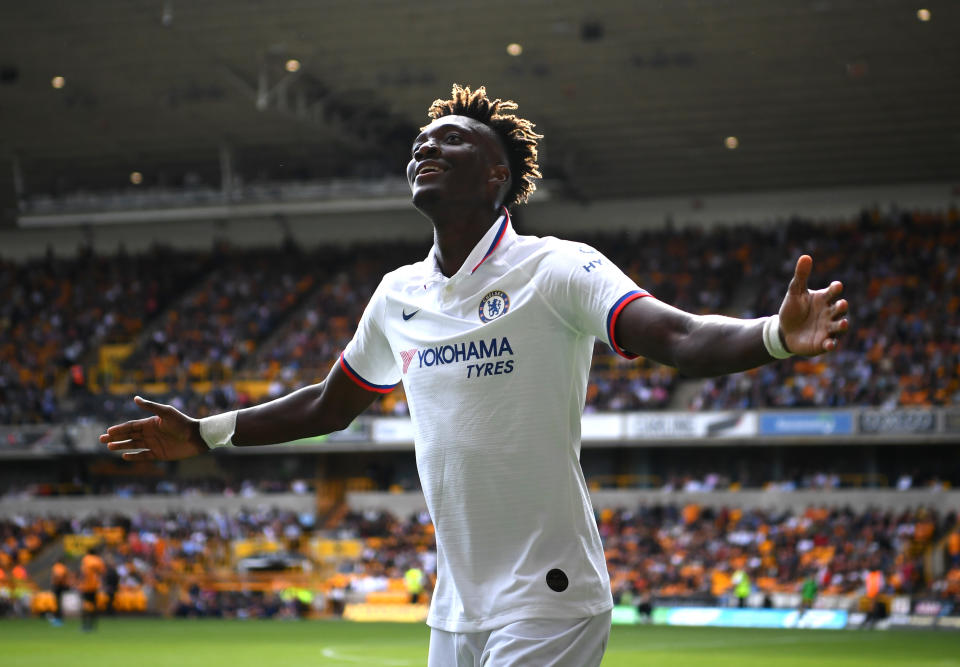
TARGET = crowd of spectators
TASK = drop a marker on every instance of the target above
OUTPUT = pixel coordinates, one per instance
(903, 282)
(653, 552)
(391, 547)
(926, 477)
(214, 328)
(283, 315)
(200, 324)
(277, 317)
(307, 346)
(21, 538)
(158, 553)
(812, 479)
(56, 312)
(671, 551)
(196, 601)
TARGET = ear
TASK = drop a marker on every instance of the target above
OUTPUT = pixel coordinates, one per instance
(499, 173)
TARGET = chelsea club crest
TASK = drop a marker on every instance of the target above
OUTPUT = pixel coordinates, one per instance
(493, 305)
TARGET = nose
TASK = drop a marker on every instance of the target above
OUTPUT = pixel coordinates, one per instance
(427, 149)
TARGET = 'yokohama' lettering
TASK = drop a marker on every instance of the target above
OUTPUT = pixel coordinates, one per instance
(464, 352)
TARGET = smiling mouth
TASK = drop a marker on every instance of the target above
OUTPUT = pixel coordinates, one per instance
(428, 170)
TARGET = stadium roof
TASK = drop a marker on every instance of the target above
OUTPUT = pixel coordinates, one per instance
(635, 97)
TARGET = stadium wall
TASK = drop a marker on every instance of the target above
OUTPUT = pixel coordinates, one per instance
(404, 504)
(80, 506)
(759, 428)
(261, 225)
(407, 503)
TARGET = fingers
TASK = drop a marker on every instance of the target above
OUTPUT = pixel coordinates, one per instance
(839, 309)
(833, 291)
(799, 283)
(124, 431)
(119, 445)
(831, 342)
(143, 455)
(838, 326)
(133, 430)
(158, 409)
(128, 432)
(115, 433)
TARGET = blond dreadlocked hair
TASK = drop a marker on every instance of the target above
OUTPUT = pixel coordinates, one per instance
(515, 133)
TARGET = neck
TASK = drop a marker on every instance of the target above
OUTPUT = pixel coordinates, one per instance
(456, 234)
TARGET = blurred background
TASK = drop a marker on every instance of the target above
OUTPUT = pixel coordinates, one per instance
(198, 198)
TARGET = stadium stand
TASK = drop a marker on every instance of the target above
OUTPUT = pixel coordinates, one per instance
(251, 564)
(905, 348)
(261, 148)
(56, 313)
(233, 327)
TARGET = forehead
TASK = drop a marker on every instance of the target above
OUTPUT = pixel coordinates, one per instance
(463, 123)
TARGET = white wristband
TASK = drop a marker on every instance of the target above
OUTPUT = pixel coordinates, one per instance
(772, 340)
(217, 431)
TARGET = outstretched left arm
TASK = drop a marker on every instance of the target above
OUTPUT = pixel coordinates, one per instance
(811, 323)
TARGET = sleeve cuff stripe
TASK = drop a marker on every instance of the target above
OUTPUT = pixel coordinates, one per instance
(615, 313)
(369, 386)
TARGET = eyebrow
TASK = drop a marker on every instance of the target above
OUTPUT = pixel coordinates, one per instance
(445, 128)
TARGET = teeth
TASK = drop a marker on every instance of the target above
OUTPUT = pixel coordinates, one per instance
(429, 170)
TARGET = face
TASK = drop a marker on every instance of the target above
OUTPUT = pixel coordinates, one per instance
(456, 159)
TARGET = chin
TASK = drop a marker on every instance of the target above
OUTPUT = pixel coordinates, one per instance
(426, 198)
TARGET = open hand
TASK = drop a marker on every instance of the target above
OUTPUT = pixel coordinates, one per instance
(812, 321)
(166, 436)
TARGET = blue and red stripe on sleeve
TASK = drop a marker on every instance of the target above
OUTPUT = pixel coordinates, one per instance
(614, 313)
(369, 386)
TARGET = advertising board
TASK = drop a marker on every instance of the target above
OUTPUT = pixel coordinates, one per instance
(679, 425)
(898, 421)
(820, 619)
(800, 423)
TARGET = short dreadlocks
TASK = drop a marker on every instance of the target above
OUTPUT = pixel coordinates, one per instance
(515, 133)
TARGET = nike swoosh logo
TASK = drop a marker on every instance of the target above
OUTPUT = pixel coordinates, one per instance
(407, 317)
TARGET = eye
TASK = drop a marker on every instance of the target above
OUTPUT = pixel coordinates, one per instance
(453, 138)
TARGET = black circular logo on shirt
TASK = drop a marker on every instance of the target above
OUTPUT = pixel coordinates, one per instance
(557, 580)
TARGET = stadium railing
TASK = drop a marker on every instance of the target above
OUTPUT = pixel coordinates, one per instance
(641, 429)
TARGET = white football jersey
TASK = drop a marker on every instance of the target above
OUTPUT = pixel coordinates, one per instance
(494, 362)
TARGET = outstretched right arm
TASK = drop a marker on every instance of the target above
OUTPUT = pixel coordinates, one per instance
(315, 410)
